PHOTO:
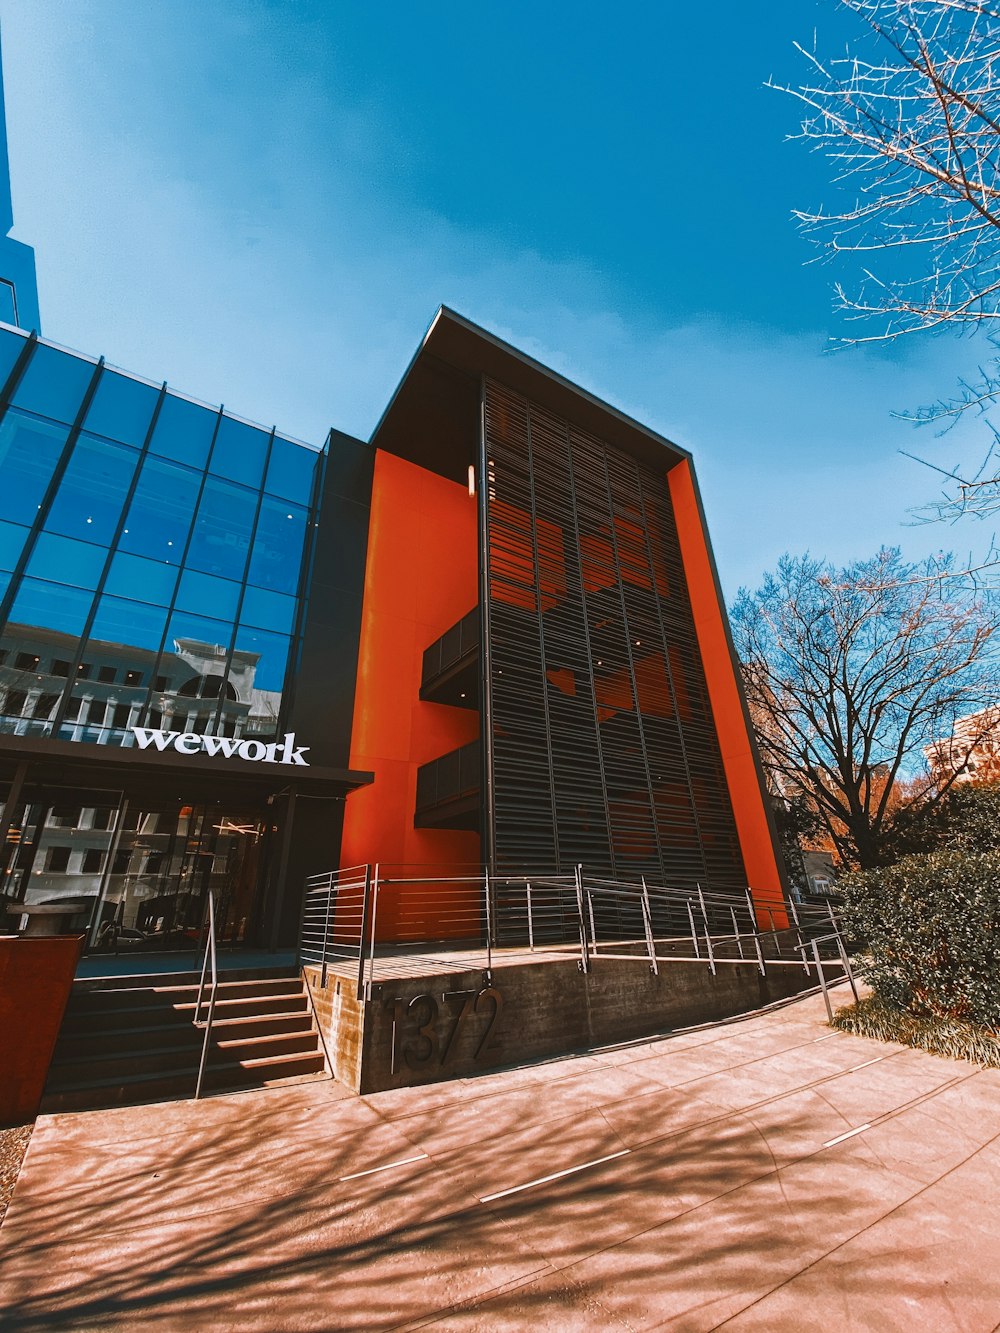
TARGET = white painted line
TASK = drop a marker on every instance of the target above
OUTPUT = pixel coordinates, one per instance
(404, 1161)
(866, 1063)
(826, 1038)
(849, 1135)
(556, 1175)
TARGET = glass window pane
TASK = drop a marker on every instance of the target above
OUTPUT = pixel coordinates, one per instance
(142, 580)
(239, 452)
(276, 560)
(206, 595)
(290, 471)
(222, 529)
(183, 431)
(262, 658)
(211, 637)
(54, 384)
(12, 539)
(11, 346)
(66, 561)
(132, 623)
(194, 662)
(89, 501)
(269, 610)
(8, 308)
(29, 452)
(51, 605)
(121, 408)
(160, 514)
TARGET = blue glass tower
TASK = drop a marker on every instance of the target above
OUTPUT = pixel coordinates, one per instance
(18, 285)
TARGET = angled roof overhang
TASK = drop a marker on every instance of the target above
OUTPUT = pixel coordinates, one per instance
(433, 417)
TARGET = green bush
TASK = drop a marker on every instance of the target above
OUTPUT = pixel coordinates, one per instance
(930, 928)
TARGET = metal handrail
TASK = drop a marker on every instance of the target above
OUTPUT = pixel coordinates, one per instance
(591, 917)
(209, 955)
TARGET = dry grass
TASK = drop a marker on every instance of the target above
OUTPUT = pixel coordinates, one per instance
(13, 1146)
(950, 1037)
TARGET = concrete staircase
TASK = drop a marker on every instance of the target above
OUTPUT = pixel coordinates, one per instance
(133, 1039)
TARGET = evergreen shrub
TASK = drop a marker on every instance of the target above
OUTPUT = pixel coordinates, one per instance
(930, 928)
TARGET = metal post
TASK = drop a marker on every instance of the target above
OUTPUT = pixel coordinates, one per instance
(376, 889)
(798, 932)
(326, 930)
(847, 966)
(590, 913)
(489, 928)
(736, 932)
(531, 932)
(756, 934)
(694, 933)
(708, 936)
(647, 921)
(584, 950)
(822, 980)
(366, 915)
(211, 1003)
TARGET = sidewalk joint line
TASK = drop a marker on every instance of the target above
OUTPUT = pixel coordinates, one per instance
(556, 1175)
(404, 1161)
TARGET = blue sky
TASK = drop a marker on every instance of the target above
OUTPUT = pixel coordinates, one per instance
(264, 201)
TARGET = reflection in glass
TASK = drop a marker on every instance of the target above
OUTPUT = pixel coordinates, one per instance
(141, 579)
(66, 560)
(159, 516)
(239, 452)
(276, 560)
(290, 470)
(54, 384)
(12, 539)
(29, 452)
(89, 500)
(121, 408)
(222, 529)
(136, 879)
(119, 621)
(270, 652)
(50, 604)
(206, 595)
(269, 610)
(183, 431)
(11, 346)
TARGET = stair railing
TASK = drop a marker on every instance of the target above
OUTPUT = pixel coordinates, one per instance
(209, 959)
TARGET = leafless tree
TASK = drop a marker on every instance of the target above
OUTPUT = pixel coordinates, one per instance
(910, 119)
(851, 673)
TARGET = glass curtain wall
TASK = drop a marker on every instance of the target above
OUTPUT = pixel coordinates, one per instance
(151, 553)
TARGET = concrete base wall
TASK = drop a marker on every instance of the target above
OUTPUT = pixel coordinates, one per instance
(36, 975)
(424, 1029)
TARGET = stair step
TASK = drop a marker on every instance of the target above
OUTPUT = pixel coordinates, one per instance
(180, 1083)
(160, 1012)
(139, 1042)
(154, 991)
(87, 1070)
(99, 1041)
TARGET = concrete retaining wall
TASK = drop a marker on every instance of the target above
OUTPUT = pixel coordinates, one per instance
(425, 1029)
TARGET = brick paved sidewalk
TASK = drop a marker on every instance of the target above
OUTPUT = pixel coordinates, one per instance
(767, 1174)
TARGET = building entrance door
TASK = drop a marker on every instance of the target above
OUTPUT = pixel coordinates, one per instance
(136, 876)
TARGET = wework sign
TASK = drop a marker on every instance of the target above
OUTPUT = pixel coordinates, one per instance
(229, 747)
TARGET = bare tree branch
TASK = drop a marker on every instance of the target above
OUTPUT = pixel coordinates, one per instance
(851, 673)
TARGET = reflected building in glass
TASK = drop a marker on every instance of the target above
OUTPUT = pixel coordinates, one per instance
(154, 555)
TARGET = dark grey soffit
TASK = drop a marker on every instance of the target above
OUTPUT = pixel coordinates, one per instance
(433, 417)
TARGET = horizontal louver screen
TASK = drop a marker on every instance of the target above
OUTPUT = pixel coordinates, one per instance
(604, 749)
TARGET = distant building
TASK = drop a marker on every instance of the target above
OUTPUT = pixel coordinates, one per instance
(971, 753)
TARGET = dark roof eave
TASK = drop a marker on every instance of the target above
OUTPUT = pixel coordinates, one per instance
(451, 359)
